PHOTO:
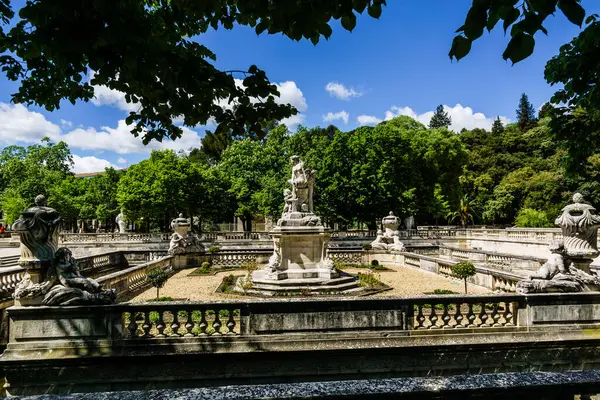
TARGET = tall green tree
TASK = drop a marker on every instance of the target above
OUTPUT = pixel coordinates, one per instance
(497, 126)
(440, 118)
(525, 114)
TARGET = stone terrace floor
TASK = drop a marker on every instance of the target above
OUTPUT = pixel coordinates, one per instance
(405, 281)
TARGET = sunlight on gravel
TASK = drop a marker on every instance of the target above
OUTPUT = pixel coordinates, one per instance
(405, 281)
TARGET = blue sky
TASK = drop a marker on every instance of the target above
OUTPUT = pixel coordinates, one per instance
(395, 65)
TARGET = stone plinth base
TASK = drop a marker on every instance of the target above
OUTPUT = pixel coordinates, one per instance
(338, 285)
(299, 265)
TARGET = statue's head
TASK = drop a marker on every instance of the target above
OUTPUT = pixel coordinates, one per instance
(295, 160)
(63, 255)
(577, 198)
(304, 207)
(391, 214)
(180, 215)
(287, 192)
(557, 247)
(40, 200)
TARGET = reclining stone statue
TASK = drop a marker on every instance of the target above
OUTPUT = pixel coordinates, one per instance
(65, 286)
(558, 274)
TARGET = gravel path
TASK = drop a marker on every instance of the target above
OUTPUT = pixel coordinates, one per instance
(405, 281)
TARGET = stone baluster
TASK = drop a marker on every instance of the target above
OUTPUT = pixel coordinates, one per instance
(458, 317)
(433, 318)
(446, 317)
(160, 325)
(133, 326)
(147, 324)
(189, 323)
(203, 325)
(217, 323)
(471, 317)
(483, 317)
(230, 322)
(420, 318)
(175, 325)
(508, 314)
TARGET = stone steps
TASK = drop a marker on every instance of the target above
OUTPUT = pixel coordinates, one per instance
(341, 285)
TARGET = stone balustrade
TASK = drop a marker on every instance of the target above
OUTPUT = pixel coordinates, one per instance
(342, 256)
(132, 280)
(180, 320)
(493, 259)
(102, 348)
(9, 277)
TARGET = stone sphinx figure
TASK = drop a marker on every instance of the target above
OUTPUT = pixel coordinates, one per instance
(558, 274)
(390, 238)
(69, 287)
(38, 229)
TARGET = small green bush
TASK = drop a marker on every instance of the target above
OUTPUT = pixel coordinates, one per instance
(369, 280)
(367, 247)
(463, 270)
(205, 265)
(213, 249)
(164, 298)
(530, 218)
(443, 291)
(157, 278)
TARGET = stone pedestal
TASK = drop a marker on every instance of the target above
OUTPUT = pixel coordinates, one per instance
(303, 254)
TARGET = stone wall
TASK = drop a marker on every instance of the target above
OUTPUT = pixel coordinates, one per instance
(144, 345)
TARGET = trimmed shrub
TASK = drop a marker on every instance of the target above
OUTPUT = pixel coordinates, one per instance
(463, 270)
(157, 278)
(213, 249)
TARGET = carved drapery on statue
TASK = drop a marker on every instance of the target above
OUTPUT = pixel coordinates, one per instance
(299, 209)
(121, 223)
(52, 276)
(389, 237)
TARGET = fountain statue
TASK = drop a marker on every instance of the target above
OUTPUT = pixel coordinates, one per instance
(183, 239)
(51, 275)
(300, 243)
(390, 238)
(568, 267)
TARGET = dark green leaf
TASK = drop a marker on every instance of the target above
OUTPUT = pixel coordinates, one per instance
(349, 21)
(375, 10)
(572, 10)
(460, 47)
(519, 48)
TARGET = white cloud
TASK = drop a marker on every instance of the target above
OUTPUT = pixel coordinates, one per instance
(18, 124)
(367, 120)
(90, 164)
(340, 91)
(104, 96)
(121, 160)
(289, 93)
(64, 122)
(343, 115)
(120, 140)
(462, 117)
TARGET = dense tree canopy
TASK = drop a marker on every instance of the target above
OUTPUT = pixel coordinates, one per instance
(147, 50)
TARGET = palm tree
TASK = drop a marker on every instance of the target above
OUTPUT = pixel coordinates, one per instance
(465, 211)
